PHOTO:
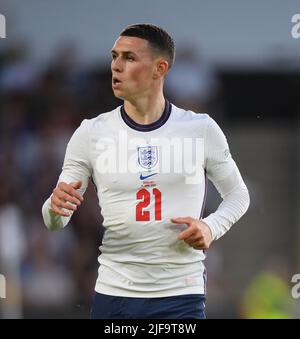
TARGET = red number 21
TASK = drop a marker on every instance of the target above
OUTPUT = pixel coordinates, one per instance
(145, 196)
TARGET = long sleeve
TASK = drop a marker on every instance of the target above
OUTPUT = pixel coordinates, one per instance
(76, 167)
(224, 174)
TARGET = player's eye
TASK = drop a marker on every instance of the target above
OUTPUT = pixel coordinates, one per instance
(113, 56)
(130, 58)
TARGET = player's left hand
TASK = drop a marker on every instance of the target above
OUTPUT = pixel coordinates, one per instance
(197, 235)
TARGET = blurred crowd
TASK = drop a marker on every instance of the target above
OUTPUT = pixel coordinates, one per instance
(40, 107)
(41, 104)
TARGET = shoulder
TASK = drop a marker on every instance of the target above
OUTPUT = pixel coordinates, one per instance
(194, 119)
(103, 118)
(187, 115)
(200, 124)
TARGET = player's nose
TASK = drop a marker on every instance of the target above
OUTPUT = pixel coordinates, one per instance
(116, 65)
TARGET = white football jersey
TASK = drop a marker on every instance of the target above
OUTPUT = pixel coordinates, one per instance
(145, 175)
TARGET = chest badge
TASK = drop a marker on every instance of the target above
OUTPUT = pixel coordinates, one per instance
(148, 157)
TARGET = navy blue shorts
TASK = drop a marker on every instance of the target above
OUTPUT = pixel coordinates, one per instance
(189, 306)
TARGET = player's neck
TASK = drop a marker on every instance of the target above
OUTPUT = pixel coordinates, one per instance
(145, 110)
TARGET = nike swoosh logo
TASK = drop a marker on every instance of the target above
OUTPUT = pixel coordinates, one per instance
(142, 177)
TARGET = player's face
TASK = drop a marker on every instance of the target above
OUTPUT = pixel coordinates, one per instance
(133, 68)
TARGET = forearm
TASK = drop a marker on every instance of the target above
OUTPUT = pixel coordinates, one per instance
(235, 203)
(52, 220)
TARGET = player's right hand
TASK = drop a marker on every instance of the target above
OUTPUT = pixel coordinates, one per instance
(65, 196)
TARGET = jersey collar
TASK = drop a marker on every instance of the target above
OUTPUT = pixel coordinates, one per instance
(150, 127)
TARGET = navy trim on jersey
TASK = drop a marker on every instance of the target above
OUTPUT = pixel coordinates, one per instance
(93, 182)
(205, 195)
(201, 216)
(205, 277)
(150, 127)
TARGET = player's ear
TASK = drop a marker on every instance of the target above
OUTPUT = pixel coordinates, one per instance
(161, 68)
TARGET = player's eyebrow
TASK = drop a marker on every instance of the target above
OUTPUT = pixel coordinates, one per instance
(114, 52)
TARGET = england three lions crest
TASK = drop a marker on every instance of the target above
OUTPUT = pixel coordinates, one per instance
(148, 156)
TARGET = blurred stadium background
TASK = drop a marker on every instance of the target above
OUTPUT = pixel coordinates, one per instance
(236, 61)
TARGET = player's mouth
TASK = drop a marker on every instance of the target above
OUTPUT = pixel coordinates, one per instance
(116, 83)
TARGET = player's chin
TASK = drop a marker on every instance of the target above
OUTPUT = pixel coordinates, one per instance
(118, 94)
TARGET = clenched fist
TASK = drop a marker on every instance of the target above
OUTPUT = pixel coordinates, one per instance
(197, 235)
(65, 196)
